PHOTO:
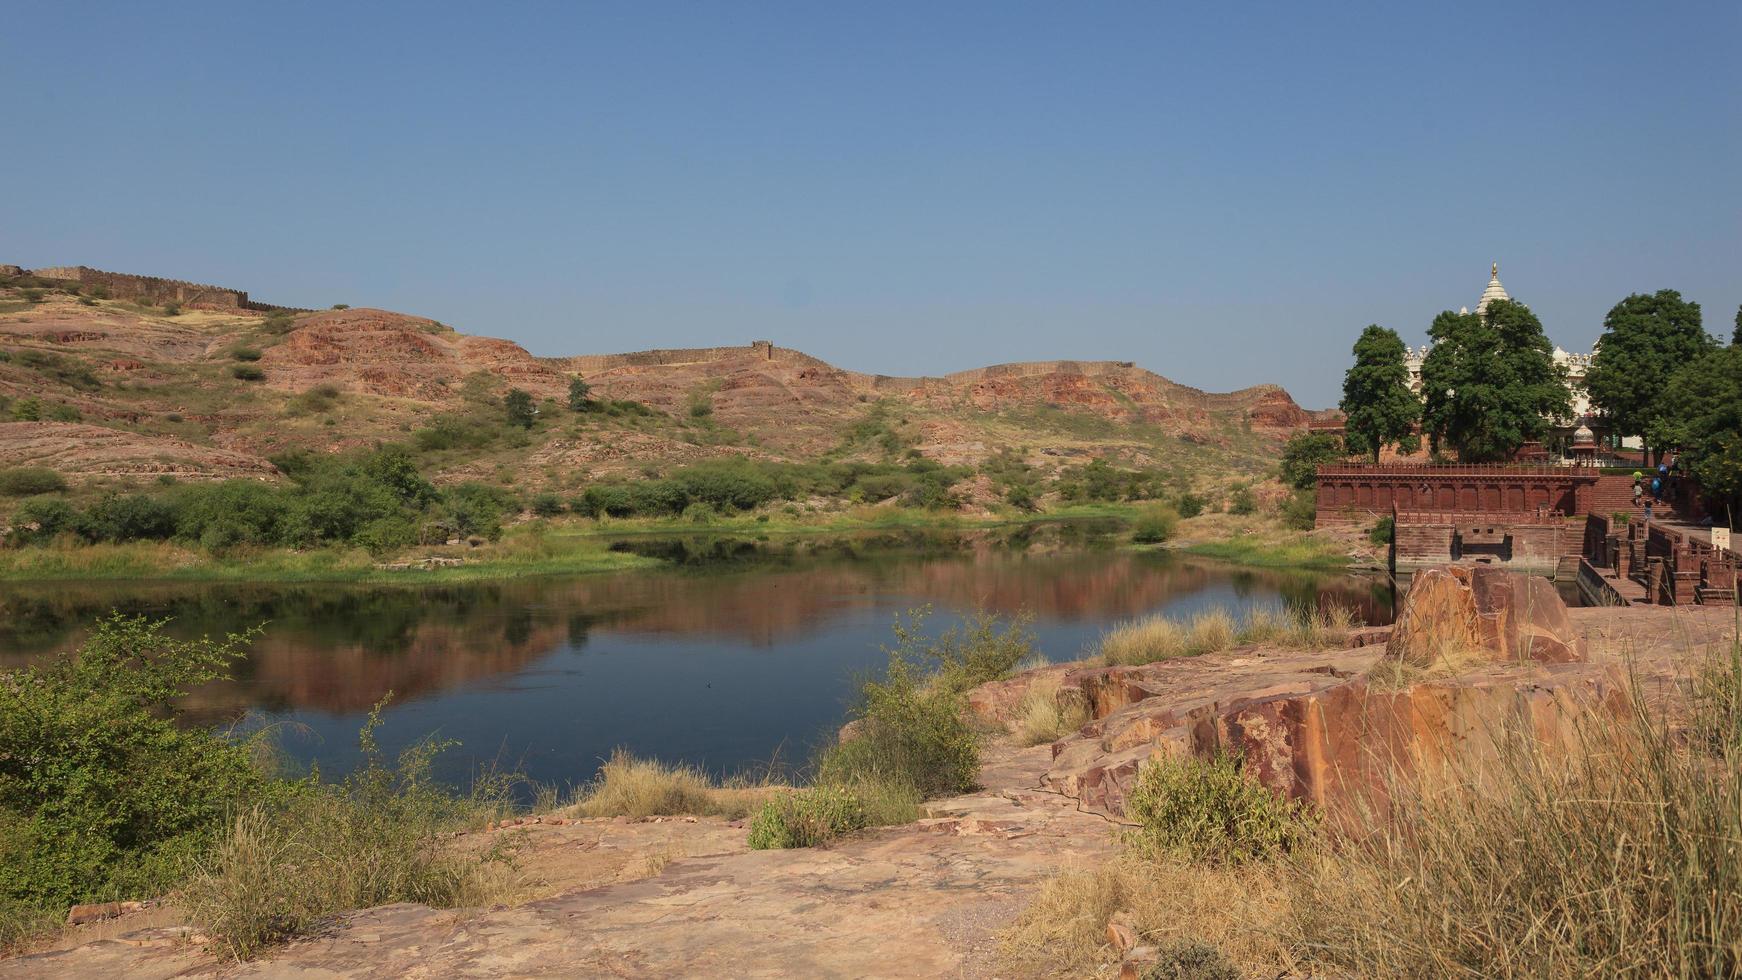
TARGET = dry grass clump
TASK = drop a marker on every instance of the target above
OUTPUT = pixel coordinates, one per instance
(1620, 860)
(1041, 718)
(1242, 911)
(1616, 855)
(632, 787)
(1156, 638)
(280, 872)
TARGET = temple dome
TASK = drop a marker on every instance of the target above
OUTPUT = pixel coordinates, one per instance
(1583, 436)
(1495, 291)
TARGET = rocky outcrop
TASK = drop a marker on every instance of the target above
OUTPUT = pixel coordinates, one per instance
(1503, 615)
(1328, 727)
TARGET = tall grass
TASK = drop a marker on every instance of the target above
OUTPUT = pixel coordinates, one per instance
(380, 836)
(1620, 860)
(1156, 638)
(632, 787)
(1042, 716)
(1617, 855)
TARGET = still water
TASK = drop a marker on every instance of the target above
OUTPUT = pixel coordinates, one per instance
(738, 653)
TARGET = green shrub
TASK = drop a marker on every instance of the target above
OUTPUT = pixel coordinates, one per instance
(547, 505)
(24, 481)
(277, 323)
(316, 400)
(1190, 504)
(1300, 511)
(1021, 497)
(1155, 525)
(1241, 501)
(104, 793)
(172, 309)
(517, 406)
(1302, 455)
(1211, 811)
(41, 518)
(246, 353)
(909, 730)
(806, 818)
(1190, 959)
(31, 295)
(247, 372)
(341, 306)
(1380, 533)
(377, 838)
(87, 301)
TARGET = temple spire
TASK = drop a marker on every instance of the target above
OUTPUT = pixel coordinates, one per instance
(1495, 291)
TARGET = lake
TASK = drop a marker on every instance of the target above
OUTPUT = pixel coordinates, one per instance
(737, 653)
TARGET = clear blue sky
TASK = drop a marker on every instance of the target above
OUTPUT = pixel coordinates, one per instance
(1224, 193)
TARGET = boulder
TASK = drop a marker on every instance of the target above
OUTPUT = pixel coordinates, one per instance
(1457, 610)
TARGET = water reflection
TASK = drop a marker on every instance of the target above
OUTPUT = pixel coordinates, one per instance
(736, 647)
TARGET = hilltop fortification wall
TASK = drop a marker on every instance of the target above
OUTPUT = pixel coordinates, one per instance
(153, 289)
(760, 349)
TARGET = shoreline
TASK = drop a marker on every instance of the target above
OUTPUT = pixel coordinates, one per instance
(568, 547)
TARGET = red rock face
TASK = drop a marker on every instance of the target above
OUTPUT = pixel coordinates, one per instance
(1313, 727)
(1506, 615)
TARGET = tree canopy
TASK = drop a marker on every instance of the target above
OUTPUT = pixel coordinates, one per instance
(1702, 414)
(519, 408)
(1380, 408)
(579, 393)
(1491, 382)
(1646, 339)
(1303, 453)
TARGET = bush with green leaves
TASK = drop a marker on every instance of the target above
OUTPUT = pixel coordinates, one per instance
(27, 481)
(104, 793)
(245, 353)
(1211, 811)
(1190, 504)
(1241, 501)
(1303, 453)
(1155, 524)
(908, 727)
(41, 518)
(806, 818)
(547, 505)
(1380, 533)
(1301, 510)
(375, 838)
(247, 372)
(517, 406)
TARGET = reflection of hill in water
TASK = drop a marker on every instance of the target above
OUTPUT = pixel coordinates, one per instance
(341, 649)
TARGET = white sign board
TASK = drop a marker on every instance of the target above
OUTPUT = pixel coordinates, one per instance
(1721, 538)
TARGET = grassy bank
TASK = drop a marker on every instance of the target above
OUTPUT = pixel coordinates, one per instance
(518, 554)
(1260, 541)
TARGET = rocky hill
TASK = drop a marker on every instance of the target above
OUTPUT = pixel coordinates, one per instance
(103, 388)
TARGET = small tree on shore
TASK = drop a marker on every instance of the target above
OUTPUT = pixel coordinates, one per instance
(519, 407)
(1646, 340)
(1491, 382)
(580, 393)
(1380, 409)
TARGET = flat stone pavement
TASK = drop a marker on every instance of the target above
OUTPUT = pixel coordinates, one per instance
(925, 900)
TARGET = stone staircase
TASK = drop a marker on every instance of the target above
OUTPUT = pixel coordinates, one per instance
(1613, 494)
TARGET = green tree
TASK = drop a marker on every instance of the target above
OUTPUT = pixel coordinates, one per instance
(579, 395)
(1491, 382)
(1702, 414)
(1380, 408)
(1303, 453)
(1646, 339)
(1736, 338)
(518, 405)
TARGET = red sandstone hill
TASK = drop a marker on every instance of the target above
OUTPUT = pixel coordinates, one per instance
(216, 391)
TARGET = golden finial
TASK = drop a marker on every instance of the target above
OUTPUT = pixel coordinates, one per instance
(1495, 271)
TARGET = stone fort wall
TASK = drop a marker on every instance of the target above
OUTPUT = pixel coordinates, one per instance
(1349, 493)
(155, 290)
(760, 349)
